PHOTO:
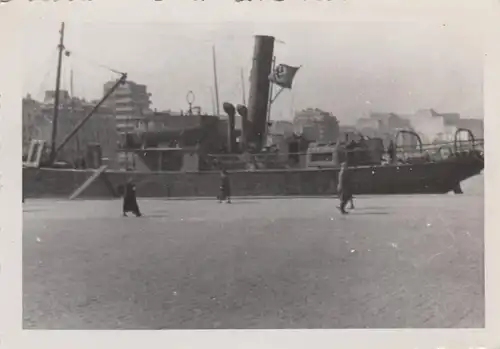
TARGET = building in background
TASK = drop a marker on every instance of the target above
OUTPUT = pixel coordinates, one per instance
(130, 102)
(348, 133)
(316, 125)
(475, 125)
(386, 126)
(281, 128)
(280, 131)
(434, 127)
(430, 125)
(31, 111)
(389, 122)
(100, 128)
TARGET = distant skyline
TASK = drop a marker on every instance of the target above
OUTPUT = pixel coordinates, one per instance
(348, 69)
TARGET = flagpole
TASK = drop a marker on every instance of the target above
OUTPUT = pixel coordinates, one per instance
(277, 94)
(270, 97)
(282, 87)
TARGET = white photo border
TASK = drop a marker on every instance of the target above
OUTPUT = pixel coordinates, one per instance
(16, 14)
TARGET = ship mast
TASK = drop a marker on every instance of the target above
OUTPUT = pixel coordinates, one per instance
(243, 87)
(216, 84)
(214, 111)
(56, 97)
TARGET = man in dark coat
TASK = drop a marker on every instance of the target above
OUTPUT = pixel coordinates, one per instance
(130, 200)
(225, 187)
(344, 188)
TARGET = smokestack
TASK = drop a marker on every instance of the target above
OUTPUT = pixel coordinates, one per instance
(243, 111)
(258, 102)
(231, 140)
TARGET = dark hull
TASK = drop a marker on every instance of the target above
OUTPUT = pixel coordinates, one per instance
(430, 178)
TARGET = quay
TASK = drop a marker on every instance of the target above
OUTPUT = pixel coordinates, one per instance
(395, 261)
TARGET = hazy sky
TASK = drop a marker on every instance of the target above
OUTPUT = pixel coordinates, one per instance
(347, 68)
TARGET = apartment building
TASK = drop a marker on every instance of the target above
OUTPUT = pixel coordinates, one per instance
(130, 102)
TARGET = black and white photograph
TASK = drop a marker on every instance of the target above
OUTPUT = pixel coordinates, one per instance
(248, 175)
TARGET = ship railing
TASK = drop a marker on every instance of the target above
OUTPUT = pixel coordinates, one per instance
(251, 161)
(326, 158)
(440, 150)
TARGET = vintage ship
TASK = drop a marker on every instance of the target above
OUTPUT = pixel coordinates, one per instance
(188, 166)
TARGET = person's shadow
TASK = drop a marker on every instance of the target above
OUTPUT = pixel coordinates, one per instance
(357, 213)
(374, 210)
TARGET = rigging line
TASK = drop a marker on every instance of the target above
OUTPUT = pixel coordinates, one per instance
(164, 66)
(42, 83)
(210, 41)
(71, 86)
(47, 73)
(64, 77)
(83, 58)
(247, 69)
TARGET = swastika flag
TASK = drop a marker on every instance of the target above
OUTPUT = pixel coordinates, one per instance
(283, 75)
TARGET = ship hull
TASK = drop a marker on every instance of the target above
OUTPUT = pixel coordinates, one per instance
(429, 178)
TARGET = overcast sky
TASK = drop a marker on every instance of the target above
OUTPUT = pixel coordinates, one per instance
(349, 69)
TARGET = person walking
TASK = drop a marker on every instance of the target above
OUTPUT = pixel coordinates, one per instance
(225, 187)
(130, 199)
(344, 188)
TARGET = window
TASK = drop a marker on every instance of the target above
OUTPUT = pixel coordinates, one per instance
(322, 156)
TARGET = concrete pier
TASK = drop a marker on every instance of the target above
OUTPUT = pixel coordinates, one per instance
(406, 261)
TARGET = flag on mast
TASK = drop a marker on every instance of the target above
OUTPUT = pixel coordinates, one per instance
(283, 75)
